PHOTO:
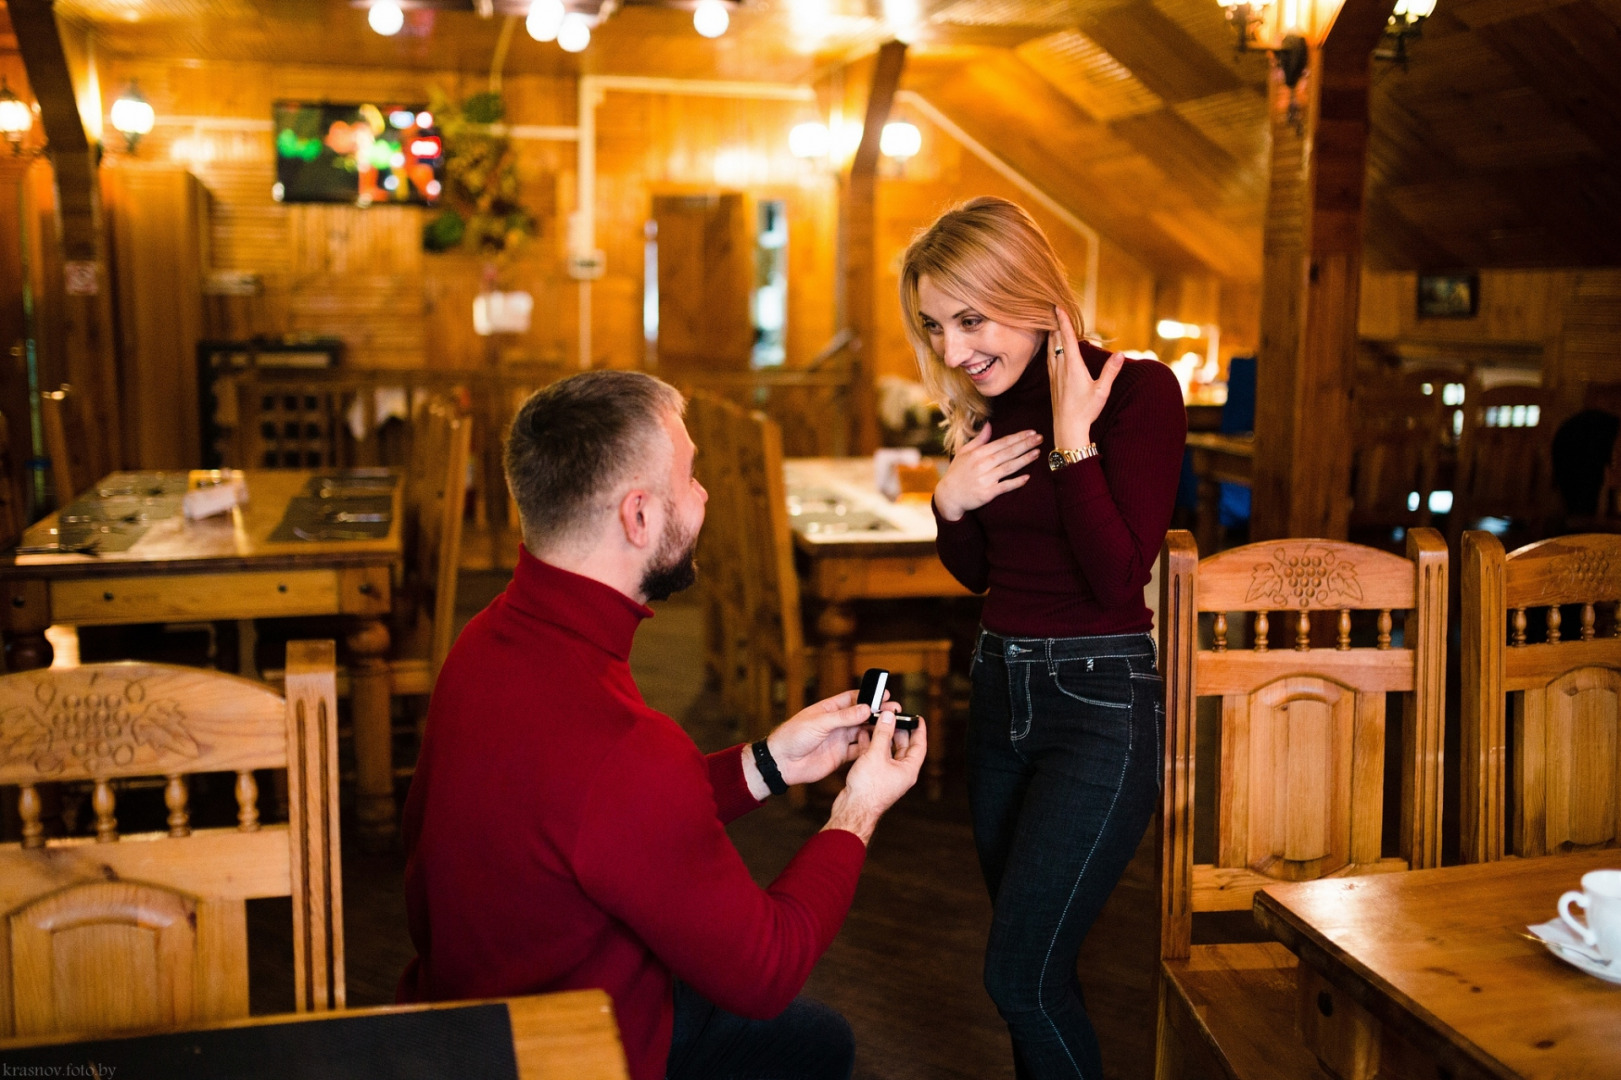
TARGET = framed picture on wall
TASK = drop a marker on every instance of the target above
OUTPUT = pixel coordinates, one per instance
(1448, 296)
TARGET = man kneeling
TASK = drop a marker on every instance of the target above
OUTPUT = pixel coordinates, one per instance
(561, 834)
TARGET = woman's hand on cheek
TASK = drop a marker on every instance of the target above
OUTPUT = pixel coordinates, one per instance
(983, 469)
(1077, 397)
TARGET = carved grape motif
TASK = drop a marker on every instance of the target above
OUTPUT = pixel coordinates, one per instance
(1305, 576)
(1587, 572)
(99, 725)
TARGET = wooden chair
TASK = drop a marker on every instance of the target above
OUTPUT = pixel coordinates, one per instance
(723, 551)
(1300, 784)
(1396, 440)
(567, 1034)
(425, 607)
(1504, 458)
(108, 934)
(1541, 747)
(778, 657)
(59, 418)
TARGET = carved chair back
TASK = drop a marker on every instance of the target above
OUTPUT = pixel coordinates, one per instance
(1541, 705)
(1300, 786)
(150, 930)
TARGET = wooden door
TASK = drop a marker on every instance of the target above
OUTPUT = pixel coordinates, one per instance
(705, 258)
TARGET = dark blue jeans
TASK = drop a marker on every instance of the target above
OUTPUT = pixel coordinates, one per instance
(806, 1041)
(1064, 759)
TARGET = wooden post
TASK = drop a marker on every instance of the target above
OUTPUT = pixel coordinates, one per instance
(84, 353)
(1312, 266)
(857, 248)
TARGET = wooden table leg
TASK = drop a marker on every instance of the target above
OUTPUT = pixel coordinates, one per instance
(374, 757)
(28, 650)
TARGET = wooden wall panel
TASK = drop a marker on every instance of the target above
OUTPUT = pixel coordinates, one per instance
(1563, 319)
(681, 144)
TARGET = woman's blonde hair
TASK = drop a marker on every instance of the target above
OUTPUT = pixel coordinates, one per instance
(991, 253)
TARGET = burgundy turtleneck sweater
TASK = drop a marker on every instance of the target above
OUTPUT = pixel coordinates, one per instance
(561, 835)
(1070, 552)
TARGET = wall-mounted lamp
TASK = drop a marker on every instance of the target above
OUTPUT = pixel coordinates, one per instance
(1249, 19)
(1406, 22)
(900, 140)
(15, 117)
(132, 116)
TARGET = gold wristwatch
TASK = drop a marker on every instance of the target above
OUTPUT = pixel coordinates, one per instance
(1060, 458)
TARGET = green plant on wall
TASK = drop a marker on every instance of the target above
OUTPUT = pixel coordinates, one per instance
(480, 208)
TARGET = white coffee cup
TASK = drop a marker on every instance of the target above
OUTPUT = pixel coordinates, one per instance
(1600, 898)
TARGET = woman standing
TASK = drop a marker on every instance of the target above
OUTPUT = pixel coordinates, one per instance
(1057, 499)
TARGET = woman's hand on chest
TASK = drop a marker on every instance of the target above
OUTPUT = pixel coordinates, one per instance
(983, 469)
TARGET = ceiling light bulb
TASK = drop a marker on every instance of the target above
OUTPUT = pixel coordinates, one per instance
(545, 19)
(386, 17)
(900, 140)
(574, 34)
(710, 18)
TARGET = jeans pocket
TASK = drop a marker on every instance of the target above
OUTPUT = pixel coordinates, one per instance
(1100, 680)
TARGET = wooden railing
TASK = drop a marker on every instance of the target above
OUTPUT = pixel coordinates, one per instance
(355, 418)
(814, 404)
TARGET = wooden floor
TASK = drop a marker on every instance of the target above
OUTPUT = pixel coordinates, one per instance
(905, 969)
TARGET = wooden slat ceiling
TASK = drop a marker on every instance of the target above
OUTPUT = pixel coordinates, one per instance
(1499, 145)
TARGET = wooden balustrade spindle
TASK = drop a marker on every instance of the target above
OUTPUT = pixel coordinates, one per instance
(1303, 631)
(1589, 619)
(1555, 618)
(1221, 631)
(1385, 624)
(1261, 627)
(1518, 616)
(175, 797)
(106, 805)
(247, 802)
(28, 808)
(1344, 642)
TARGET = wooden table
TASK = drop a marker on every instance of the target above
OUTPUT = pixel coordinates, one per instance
(858, 546)
(1217, 459)
(1427, 974)
(225, 567)
(570, 1035)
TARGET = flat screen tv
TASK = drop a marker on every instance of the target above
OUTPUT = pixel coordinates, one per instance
(365, 154)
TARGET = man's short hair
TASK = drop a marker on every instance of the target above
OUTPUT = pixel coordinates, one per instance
(573, 442)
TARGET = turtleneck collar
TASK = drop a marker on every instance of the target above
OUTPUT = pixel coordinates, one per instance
(1033, 383)
(599, 613)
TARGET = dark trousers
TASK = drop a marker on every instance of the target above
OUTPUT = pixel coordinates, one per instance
(806, 1041)
(1063, 771)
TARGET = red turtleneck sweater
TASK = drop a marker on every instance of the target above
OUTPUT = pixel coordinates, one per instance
(560, 834)
(1070, 552)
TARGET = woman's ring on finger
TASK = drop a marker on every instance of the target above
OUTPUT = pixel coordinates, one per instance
(1058, 351)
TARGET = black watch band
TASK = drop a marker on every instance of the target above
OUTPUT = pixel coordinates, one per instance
(768, 768)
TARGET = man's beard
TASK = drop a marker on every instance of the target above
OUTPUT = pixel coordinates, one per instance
(672, 568)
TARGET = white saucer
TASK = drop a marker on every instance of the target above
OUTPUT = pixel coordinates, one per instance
(1564, 943)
